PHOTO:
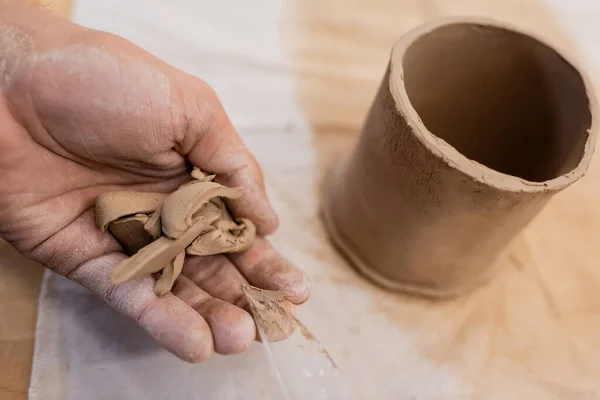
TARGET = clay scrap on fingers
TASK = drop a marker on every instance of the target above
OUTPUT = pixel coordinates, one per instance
(157, 230)
(276, 320)
(272, 313)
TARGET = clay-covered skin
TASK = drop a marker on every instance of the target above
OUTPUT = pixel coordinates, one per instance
(474, 128)
(136, 126)
(193, 219)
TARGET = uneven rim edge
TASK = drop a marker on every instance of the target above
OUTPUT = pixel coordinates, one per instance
(448, 153)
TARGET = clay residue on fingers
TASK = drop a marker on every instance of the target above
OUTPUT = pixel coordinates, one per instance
(275, 319)
(271, 312)
(158, 229)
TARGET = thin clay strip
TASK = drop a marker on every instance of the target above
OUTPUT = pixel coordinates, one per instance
(155, 256)
(169, 275)
(201, 176)
(153, 225)
(111, 206)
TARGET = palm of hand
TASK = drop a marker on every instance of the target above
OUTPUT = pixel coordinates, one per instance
(96, 114)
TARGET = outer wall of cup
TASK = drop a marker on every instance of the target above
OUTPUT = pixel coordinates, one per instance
(412, 221)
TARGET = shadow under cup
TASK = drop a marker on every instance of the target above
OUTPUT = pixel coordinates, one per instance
(474, 127)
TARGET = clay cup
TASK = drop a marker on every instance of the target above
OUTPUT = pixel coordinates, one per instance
(475, 126)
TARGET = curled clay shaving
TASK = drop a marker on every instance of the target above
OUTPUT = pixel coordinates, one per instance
(201, 176)
(111, 206)
(157, 230)
(184, 206)
(227, 235)
(152, 226)
(276, 321)
(271, 313)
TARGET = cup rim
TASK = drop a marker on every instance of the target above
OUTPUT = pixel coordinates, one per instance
(448, 153)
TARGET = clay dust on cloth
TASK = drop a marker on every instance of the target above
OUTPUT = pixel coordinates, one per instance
(530, 334)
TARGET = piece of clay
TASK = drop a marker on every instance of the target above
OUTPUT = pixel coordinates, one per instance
(155, 256)
(157, 230)
(169, 274)
(271, 314)
(180, 210)
(475, 126)
(201, 176)
(131, 233)
(152, 226)
(227, 236)
(111, 206)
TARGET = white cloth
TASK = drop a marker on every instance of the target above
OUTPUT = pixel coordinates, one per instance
(492, 345)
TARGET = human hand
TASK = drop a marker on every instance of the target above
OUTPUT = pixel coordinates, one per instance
(83, 112)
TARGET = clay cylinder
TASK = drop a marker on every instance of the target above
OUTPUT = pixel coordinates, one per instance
(474, 128)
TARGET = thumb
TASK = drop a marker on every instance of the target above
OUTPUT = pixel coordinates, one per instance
(211, 143)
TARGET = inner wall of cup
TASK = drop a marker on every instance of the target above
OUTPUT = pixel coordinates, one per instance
(500, 98)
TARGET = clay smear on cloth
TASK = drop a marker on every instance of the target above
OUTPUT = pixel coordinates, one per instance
(158, 229)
